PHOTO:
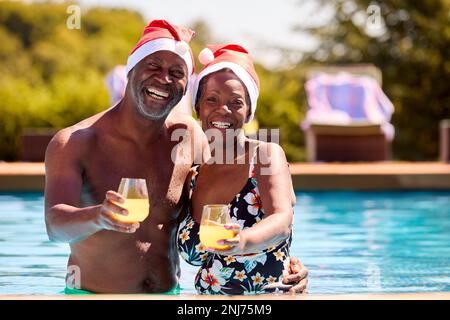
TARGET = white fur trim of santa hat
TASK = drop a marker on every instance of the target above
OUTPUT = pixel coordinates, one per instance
(181, 48)
(242, 74)
(205, 56)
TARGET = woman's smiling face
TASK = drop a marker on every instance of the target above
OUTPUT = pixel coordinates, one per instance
(223, 102)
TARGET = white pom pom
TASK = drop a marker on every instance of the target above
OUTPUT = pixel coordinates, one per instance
(181, 48)
(206, 56)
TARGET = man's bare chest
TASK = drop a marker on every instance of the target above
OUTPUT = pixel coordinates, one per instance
(165, 179)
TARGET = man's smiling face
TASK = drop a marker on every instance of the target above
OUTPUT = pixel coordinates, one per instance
(157, 84)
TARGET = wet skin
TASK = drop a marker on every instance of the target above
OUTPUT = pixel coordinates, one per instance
(86, 160)
(223, 104)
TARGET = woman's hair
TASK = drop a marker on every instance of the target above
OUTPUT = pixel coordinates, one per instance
(202, 84)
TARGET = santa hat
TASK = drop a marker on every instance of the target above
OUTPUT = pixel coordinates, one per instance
(234, 57)
(162, 35)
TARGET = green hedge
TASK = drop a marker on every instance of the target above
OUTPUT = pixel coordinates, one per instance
(51, 76)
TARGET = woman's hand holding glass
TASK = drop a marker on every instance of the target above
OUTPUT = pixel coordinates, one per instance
(234, 245)
(217, 233)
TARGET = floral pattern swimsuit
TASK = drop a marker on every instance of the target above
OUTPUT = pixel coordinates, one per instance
(235, 274)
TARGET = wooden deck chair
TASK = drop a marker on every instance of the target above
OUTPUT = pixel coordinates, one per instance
(345, 141)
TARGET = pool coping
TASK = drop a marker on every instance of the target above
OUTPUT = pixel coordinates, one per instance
(30, 176)
(396, 296)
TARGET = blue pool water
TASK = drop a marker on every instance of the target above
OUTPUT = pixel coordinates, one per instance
(352, 242)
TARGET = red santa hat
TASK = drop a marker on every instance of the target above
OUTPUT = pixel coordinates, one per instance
(234, 57)
(162, 35)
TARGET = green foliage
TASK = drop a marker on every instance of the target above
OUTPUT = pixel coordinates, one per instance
(52, 76)
(281, 96)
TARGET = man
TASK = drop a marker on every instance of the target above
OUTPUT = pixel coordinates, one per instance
(85, 162)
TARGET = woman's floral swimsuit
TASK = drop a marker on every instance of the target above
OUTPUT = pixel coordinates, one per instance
(235, 274)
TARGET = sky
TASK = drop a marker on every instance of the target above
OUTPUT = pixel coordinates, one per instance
(261, 26)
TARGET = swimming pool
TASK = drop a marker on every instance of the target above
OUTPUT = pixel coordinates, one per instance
(352, 242)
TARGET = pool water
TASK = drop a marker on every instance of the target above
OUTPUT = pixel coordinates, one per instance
(352, 242)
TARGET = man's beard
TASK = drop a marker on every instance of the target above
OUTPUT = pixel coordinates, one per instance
(139, 98)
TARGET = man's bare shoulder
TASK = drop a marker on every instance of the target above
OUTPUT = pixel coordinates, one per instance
(76, 137)
(72, 136)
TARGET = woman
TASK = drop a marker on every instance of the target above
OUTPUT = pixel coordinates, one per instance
(258, 192)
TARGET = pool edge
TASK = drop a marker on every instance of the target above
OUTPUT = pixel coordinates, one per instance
(27, 176)
(396, 296)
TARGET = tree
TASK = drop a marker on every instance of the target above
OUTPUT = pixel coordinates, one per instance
(410, 42)
(52, 76)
